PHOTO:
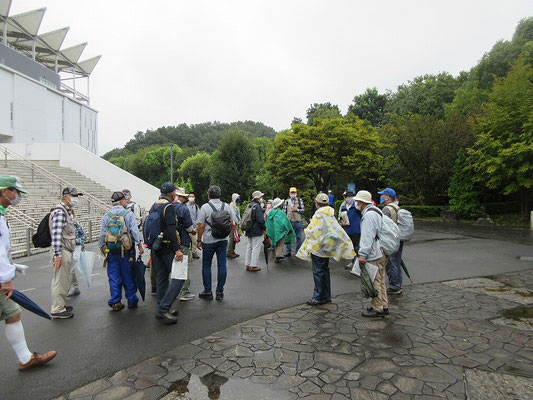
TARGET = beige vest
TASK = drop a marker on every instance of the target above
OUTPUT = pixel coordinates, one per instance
(393, 208)
(294, 216)
(68, 235)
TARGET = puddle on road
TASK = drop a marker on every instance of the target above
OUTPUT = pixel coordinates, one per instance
(214, 387)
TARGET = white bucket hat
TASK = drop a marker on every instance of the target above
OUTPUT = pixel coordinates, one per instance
(277, 202)
(257, 194)
(363, 196)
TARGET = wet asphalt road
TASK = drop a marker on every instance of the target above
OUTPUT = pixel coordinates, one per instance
(98, 342)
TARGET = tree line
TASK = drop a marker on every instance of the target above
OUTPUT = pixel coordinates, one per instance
(438, 139)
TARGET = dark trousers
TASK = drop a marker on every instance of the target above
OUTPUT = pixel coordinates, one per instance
(394, 269)
(166, 292)
(355, 240)
(321, 277)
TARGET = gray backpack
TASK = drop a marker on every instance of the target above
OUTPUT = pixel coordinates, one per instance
(406, 225)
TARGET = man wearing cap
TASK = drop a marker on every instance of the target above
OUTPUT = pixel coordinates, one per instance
(120, 258)
(278, 227)
(394, 263)
(294, 208)
(353, 225)
(324, 239)
(370, 251)
(163, 258)
(193, 211)
(185, 228)
(133, 207)
(63, 235)
(211, 245)
(10, 195)
(254, 235)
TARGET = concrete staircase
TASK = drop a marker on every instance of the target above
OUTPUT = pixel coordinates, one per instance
(44, 189)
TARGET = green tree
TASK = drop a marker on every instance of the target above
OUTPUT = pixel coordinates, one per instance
(196, 170)
(370, 106)
(233, 165)
(322, 111)
(464, 199)
(502, 156)
(330, 150)
(424, 95)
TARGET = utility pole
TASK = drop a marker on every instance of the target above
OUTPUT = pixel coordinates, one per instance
(171, 163)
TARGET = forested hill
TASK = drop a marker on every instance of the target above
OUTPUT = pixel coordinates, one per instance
(199, 137)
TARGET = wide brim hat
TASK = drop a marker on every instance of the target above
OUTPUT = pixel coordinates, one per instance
(257, 194)
(181, 192)
(277, 202)
(363, 196)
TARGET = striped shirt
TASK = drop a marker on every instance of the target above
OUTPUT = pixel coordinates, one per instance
(59, 220)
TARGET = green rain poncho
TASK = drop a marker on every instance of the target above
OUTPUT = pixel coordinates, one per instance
(324, 237)
(278, 225)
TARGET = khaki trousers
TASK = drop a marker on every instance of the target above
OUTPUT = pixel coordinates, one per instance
(279, 247)
(60, 282)
(194, 242)
(381, 301)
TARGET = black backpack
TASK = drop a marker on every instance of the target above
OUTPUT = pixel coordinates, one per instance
(220, 222)
(43, 238)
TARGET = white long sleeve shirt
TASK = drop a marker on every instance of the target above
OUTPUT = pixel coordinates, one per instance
(7, 269)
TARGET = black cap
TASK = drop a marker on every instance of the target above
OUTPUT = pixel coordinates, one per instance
(349, 194)
(167, 188)
(117, 196)
(72, 191)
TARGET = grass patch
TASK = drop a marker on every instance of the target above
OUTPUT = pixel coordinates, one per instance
(525, 294)
(517, 313)
(497, 290)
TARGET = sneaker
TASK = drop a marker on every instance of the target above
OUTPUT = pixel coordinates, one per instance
(394, 292)
(253, 269)
(133, 305)
(37, 359)
(315, 302)
(62, 315)
(373, 314)
(167, 317)
(219, 295)
(174, 313)
(187, 297)
(278, 260)
(69, 308)
(75, 292)
(206, 295)
(117, 306)
(385, 310)
(194, 255)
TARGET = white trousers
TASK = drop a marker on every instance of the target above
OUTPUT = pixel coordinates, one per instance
(253, 247)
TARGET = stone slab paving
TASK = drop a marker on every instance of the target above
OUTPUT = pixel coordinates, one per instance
(438, 342)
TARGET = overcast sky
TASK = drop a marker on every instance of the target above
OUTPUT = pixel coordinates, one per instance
(171, 62)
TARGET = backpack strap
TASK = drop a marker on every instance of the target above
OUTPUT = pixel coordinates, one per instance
(110, 214)
(376, 210)
(212, 206)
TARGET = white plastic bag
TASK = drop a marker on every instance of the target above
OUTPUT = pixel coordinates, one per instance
(85, 266)
(179, 268)
(371, 268)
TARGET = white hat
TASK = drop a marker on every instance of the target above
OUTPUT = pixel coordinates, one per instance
(181, 192)
(322, 199)
(257, 194)
(277, 202)
(363, 196)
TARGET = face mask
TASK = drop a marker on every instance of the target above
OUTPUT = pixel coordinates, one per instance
(293, 196)
(74, 201)
(16, 200)
(349, 200)
(382, 200)
(191, 199)
(358, 207)
(238, 200)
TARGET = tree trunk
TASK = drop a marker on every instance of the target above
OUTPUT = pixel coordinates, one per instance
(524, 203)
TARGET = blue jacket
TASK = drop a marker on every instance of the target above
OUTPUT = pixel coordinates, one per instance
(355, 220)
(184, 221)
(258, 220)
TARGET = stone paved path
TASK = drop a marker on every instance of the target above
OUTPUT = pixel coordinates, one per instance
(438, 342)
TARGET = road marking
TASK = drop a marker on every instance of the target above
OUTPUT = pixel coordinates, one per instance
(526, 258)
(98, 273)
(27, 290)
(46, 266)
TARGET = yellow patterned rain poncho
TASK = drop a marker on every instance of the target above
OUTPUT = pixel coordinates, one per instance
(324, 237)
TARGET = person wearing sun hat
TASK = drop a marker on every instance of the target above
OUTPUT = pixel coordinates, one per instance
(254, 235)
(324, 239)
(10, 195)
(279, 228)
(370, 251)
(294, 208)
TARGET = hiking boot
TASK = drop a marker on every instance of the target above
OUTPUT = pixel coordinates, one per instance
(236, 255)
(117, 306)
(187, 297)
(253, 269)
(74, 292)
(373, 313)
(385, 310)
(396, 292)
(62, 315)
(37, 359)
(206, 295)
(219, 295)
(167, 317)
(132, 305)
(69, 308)
(278, 260)
(174, 313)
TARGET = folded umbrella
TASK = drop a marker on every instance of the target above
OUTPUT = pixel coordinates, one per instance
(137, 273)
(266, 246)
(367, 286)
(404, 267)
(24, 301)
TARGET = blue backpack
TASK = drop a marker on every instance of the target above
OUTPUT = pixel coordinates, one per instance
(152, 228)
(116, 235)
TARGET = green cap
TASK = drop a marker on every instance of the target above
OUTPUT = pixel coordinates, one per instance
(10, 181)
